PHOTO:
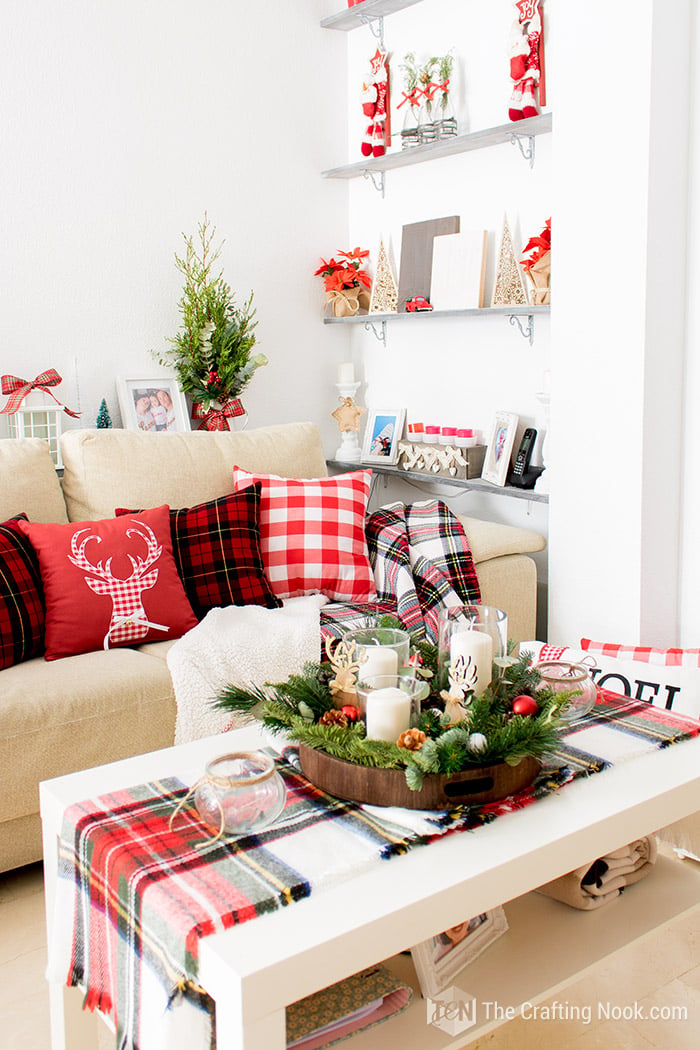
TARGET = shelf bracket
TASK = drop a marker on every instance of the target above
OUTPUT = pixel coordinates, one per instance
(370, 326)
(378, 31)
(377, 179)
(528, 152)
(526, 332)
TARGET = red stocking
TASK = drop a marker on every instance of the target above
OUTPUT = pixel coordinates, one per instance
(515, 106)
(378, 140)
(519, 52)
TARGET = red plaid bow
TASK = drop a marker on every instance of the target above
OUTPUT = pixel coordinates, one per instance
(217, 418)
(17, 389)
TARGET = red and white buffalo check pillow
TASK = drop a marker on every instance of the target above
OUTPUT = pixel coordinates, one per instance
(312, 534)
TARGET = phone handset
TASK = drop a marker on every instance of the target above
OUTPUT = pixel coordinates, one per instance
(522, 474)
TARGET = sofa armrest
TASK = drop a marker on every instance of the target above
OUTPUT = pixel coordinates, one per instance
(488, 539)
(507, 574)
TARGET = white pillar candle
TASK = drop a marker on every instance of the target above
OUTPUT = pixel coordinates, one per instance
(388, 714)
(476, 648)
(346, 372)
(376, 660)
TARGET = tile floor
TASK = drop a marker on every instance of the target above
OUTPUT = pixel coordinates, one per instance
(664, 972)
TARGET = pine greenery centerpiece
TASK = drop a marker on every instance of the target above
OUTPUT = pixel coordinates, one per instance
(212, 354)
(517, 717)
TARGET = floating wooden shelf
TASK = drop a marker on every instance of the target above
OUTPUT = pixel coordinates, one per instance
(362, 13)
(470, 484)
(514, 131)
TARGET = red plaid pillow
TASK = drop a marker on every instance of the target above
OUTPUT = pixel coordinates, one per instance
(312, 534)
(110, 582)
(217, 552)
(21, 596)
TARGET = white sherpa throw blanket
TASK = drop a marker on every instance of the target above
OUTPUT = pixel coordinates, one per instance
(239, 645)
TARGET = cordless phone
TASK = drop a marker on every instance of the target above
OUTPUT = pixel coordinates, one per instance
(522, 474)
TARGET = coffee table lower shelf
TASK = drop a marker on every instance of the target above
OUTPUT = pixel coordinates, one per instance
(548, 946)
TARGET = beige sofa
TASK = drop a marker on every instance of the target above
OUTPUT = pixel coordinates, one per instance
(82, 711)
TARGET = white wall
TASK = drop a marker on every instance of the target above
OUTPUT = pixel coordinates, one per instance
(690, 548)
(620, 200)
(122, 124)
(454, 371)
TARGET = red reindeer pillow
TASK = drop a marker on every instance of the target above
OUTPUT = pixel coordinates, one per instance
(109, 583)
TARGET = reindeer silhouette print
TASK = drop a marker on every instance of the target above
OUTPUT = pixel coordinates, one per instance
(128, 622)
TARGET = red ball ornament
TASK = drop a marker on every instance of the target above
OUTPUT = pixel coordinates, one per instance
(524, 705)
(351, 712)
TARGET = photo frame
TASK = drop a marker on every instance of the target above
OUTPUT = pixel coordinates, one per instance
(166, 409)
(383, 432)
(500, 446)
(439, 960)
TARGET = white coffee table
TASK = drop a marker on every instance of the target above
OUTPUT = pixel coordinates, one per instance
(253, 971)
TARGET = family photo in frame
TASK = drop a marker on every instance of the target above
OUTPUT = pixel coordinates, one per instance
(500, 447)
(383, 432)
(439, 960)
(152, 405)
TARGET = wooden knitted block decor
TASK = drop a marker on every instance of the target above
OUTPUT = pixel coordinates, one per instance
(441, 461)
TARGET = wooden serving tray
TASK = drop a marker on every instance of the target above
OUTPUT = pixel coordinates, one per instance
(388, 787)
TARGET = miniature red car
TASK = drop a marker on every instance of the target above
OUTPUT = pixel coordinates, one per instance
(416, 304)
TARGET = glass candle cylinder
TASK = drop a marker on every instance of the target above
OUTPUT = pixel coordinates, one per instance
(560, 676)
(379, 650)
(240, 792)
(470, 638)
(389, 705)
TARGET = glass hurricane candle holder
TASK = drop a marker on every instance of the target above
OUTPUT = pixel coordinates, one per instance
(380, 650)
(470, 638)
(560, 676)
(240, 792)
(389, 704)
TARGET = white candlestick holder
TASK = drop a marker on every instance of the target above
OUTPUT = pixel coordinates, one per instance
(349, 449)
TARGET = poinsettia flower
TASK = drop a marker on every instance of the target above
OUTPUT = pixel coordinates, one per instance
(334, 282)
(364, 278)
(537, 246)
(356, 253)
(327, 267)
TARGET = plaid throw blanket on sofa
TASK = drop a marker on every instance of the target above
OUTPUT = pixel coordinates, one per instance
(422, 561)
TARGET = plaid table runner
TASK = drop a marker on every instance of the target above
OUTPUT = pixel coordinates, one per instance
(140, 897)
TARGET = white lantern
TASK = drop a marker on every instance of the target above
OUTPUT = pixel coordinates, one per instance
(38, 416)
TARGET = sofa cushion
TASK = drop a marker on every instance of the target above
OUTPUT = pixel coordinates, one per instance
(30, 484)
(76, 713)
(104, 469)
(312, 534)
(111, 582)
(217, 552)
(21, 597)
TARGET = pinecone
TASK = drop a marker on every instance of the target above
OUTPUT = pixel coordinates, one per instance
(411, 740)
(333, 718)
